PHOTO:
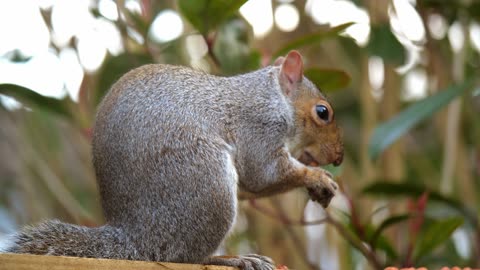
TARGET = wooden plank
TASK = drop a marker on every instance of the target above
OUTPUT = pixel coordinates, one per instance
(9, 261)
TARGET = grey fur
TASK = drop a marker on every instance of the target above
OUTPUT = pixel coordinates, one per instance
(171, 146)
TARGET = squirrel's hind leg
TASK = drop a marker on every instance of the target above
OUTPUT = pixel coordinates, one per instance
(243, 262)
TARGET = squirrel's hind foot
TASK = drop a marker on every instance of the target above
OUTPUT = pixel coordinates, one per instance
(243, 262)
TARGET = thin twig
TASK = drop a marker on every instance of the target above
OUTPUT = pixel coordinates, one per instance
(369, 255)
(293, 235)
(121, 27)
(57, 187)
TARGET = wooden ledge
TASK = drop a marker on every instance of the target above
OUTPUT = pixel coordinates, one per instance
(9, 261)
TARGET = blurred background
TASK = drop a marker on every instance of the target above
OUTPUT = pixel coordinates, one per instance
(402, 76)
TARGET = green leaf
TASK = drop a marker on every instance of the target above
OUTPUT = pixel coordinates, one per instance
(114, 67)
(385, 45)
(328, 80)
(17, 56)
(474, 10)
(384, 188)
(205, 15)
(351, 49)
(390, 189)
(232, 49)
(395, 190)
(312, 38)
(390, 221)
(382, 243)
(435, 234)
(36, 101)
(387, 133)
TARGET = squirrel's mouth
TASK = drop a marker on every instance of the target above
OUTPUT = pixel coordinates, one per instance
(307, 159)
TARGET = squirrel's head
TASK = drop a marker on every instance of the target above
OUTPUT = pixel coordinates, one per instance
(317, 140)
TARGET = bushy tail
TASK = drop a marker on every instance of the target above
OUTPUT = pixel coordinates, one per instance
(56, 238)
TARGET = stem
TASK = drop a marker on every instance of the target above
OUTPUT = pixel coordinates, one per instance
(477, 246)
(122, 26)
(369, 255)
(296, 240)
(210, 40)
(453, 119)
(58, 188)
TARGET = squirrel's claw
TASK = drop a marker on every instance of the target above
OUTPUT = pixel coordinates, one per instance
(243, 262)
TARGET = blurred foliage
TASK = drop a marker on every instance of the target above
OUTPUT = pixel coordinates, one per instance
(31, 98)
(206, 15)
(400, 152)
(384, 44)
(387, 133)
(232, 48)
(328, 80)
(313, 38)
(114, 68)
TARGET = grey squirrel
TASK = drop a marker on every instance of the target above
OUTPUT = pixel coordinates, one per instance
(173, 149)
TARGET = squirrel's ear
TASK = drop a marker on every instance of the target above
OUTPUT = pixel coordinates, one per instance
(291, 72)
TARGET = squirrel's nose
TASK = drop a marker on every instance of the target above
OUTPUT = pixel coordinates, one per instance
(339, 148)
(339, 159)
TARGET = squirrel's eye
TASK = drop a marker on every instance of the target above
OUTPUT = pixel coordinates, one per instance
(322, 112)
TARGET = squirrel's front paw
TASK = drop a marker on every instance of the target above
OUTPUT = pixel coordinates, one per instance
(243, 262)
(323, 188)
